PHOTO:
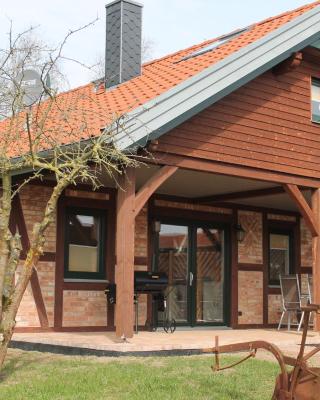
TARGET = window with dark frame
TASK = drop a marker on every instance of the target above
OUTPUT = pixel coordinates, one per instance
(315, 99)
(85, 244)
(280, 257)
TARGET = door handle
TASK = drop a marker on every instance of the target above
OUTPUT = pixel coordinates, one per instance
(190, 278)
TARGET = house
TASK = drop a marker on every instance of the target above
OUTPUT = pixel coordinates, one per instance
(229, 199)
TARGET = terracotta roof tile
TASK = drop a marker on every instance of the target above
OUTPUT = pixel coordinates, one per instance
(98, 108)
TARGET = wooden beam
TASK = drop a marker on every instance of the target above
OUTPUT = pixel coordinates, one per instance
(152, 185)
(290, 64)
(304, 208)
(315, 200)
(239, 171)
(38, 299)
(124, 274)
(241, 195)
(17, 220)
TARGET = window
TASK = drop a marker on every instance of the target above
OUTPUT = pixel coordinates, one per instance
(279, 256)
(315, 98)
(85, 239)
(222, 40)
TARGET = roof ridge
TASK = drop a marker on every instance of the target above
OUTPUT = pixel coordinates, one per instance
(209, 41)
(264, 21)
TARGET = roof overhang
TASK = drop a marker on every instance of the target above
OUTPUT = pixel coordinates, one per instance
(170, 109)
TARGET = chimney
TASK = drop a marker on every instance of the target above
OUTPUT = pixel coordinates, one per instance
(123, 41)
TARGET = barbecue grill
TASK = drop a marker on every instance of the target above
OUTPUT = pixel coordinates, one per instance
(150, 282)
(145, 282)
(154, 283)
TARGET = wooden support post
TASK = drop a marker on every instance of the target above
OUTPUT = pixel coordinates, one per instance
(152, 185)
(316, 257)
(124, 273)
(308, 214)
(129, 204)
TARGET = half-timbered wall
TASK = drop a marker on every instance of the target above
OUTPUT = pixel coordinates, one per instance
(80, 308)
(85, 308)
(32, 201)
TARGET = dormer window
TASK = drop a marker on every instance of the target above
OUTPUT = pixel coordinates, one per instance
(315, 100)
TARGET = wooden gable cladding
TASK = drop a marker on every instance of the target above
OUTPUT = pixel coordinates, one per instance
(266, 124)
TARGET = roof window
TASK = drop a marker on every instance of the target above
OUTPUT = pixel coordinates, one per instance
(220, 41)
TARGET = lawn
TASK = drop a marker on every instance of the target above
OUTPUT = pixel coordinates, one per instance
(31, 375)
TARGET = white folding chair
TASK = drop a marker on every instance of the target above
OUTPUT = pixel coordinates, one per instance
(291, 299)
(310, 288)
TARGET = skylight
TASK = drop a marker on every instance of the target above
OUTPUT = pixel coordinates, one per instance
(222, 40)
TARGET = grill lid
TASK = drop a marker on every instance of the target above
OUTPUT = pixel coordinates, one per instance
(150, 282)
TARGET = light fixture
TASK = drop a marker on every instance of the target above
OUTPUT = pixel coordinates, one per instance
(240, 233)
(157, 226)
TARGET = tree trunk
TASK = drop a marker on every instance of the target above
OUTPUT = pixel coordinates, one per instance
(7, 323)
(5, 234)
(9, 315)
(7, 335)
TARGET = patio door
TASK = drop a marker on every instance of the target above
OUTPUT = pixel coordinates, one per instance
(195, 259)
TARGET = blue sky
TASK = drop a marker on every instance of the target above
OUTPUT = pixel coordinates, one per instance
(170, 24)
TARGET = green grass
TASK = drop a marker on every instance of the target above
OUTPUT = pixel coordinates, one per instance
(43, 376)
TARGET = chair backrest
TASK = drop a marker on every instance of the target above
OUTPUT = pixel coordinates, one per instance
(310, 288)
(290, 291)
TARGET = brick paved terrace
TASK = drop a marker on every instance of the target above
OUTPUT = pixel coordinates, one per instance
(182, 341)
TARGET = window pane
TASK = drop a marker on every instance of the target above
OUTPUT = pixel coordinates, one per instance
(315, 94)
(210, 275)
(279, 257)
(83, 242)
(173, 260)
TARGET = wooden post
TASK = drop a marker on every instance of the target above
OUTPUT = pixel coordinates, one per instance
(129, 204)
(316, 256)
(124, 273)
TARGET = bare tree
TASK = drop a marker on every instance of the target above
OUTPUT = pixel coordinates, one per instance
(52, 136)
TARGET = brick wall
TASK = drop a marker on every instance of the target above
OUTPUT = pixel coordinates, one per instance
(250, 296)
(141, 250)
(33, 201)
(250, 250)
(306, 245)
(279, 217)
(84, 308)
(27, 315)
(193, 207)
(274, 308)
(88, 308)
(141, 234)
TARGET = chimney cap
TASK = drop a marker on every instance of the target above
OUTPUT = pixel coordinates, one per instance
(126, 1)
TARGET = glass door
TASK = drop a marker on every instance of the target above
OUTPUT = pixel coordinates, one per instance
(209, 276)
(194, 258)
(173, 259)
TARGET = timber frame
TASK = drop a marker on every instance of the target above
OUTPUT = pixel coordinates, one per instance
(129, 203)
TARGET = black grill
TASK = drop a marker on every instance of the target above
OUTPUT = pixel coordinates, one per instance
(150, 282)
(154, 283)
(144, 283)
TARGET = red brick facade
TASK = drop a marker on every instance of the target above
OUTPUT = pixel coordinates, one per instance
(84, 308)
(250, 297)
(250, 251)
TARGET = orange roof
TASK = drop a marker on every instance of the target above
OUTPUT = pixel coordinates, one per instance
(94, 109)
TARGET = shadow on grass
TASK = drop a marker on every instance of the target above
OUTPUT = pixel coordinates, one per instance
(17, 361)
